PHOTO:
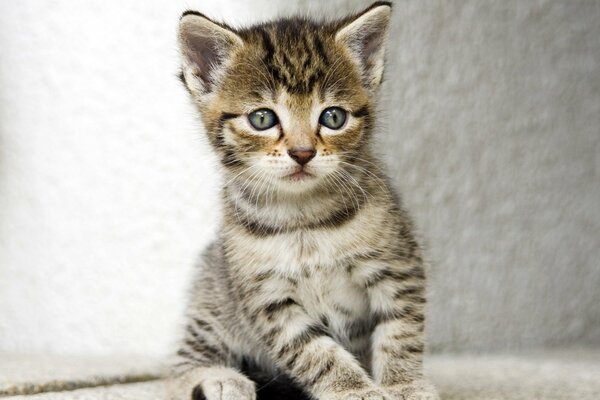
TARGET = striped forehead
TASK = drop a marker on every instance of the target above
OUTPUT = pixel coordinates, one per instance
(293, 53)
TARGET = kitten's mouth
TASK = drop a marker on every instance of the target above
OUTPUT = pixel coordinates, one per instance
(299, 175)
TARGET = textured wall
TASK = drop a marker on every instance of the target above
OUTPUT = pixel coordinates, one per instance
(495, 138)
(107, 190)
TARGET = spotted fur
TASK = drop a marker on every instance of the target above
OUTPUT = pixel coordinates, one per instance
(316, 278)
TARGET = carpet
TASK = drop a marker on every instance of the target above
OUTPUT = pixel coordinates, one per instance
(553, 375)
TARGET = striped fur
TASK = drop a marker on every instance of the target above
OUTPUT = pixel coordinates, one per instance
(316, 277)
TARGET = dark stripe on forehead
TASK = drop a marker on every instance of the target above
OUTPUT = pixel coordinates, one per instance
(321, 50)
(269, 56)
(286, 61)
(305, 45)
(314, 79)
(294, 56)
(267, 44)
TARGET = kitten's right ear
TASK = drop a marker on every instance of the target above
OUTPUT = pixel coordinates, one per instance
(365, 35)
(205, 48)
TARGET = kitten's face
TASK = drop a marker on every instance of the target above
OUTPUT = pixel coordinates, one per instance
(286, 104)
(294, 136)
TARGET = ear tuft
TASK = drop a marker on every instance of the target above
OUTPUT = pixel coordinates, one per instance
(365, 36)
(205, 48)
(192, 12)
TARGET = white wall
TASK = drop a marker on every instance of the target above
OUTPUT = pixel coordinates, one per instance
(108, 191)
(107, 188)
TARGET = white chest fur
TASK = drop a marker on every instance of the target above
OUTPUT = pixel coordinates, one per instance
(315, 266)
(330, 295)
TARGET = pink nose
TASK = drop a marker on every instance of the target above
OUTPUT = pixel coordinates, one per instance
(302, 155)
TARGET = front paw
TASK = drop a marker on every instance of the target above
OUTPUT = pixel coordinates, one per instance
(212, 383)
(417, 390)
(372, 393)
(225, 388)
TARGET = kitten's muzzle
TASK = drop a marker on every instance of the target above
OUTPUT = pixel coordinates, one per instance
(302, 155)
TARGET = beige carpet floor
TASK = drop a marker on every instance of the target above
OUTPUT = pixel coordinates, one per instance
(559, 375)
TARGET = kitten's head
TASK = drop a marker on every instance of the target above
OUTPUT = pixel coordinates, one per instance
(289, 102)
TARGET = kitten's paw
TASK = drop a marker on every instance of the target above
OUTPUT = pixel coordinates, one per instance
(417, 390)
(366, 394)
(212, 384)
(226, 388)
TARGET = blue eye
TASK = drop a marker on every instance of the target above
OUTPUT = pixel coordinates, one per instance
(333, 118)
(262, 119)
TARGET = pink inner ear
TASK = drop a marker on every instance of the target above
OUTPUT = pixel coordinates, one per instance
(365, 37)
(204, 54)
(370, 45)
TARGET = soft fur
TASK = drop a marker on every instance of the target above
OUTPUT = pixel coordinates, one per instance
(316, 283)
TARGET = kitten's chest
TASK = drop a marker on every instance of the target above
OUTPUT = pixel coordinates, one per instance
(330, 295)
(315, 267)
(296, 253)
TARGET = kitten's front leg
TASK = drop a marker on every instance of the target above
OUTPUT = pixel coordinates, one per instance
(205, 368)
(300, 346)
(397, 295)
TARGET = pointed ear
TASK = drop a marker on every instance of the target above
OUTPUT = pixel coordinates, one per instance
(365, 35)
(205, 47)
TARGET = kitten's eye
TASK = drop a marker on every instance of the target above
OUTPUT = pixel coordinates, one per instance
(262, 119)
(333, 118)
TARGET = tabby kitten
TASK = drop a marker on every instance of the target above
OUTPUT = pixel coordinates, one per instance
(316, 279)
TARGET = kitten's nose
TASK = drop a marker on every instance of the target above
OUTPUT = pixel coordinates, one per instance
(302, 155)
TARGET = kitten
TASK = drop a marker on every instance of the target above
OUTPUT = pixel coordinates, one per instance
(316, 279)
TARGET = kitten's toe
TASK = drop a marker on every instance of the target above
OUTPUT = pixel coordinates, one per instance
(369, 394)
(372, 395)
(228, 389)
(239, 389)
(418, 390)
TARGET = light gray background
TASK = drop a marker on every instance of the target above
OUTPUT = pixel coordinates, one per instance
(491, 116)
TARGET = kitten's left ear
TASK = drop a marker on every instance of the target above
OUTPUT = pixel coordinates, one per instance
(206, 46)
(365, 36)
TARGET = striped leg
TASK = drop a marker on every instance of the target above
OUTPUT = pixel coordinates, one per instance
(204, 371)
(397, 297)
(397, 360)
